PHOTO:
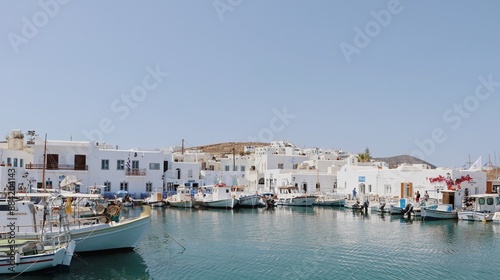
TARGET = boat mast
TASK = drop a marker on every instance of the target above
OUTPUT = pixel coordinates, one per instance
(44, 160)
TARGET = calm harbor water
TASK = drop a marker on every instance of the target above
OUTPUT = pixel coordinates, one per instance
(295, 243)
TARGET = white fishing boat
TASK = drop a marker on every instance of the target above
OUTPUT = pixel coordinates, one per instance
(451, 200)
(438, 212)
(216, 196)
(20, 253)
(291, 196)
(182, 198)
(330, 199)
(24, 255)
(155, 199)
(100, 231)
(482, 207)
(245, 198)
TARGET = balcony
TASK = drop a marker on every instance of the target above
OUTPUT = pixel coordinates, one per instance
(54, 166)
(135, 172)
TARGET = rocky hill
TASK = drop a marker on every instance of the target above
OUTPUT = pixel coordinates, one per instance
(227, 148)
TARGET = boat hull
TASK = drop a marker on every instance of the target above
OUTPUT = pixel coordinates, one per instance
(252, 200)
(111, 236)
(304, 201)
(437, 214)
(330, 202)
(181, 204)
(60, 256)
(475, 216)
(222, 203)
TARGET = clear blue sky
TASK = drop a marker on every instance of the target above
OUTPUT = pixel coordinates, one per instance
(388, 75)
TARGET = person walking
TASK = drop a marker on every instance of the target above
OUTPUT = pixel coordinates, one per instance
(354, 194)
(418, 196)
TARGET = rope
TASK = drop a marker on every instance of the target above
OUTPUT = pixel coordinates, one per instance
(183, 248)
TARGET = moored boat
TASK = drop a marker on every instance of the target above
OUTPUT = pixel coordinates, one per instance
(438, 212)
(100, 231)
(483, 208)
(216, 196)
(182, 198)
(290, 196)
(155, 199)
(245, 198)
(330, 199)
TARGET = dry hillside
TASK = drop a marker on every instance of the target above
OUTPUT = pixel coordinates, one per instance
(227, 148)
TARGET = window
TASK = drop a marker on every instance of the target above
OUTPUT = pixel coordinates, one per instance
(120, 164)
(15, 162)
(107, 186)
(123, 186)
(226, 168)
(295, 165)
(280, 165)
(9, 161)
(105, 164)
(149, 187)
(21, 162)
(388, 189)
(154, 166)
(242, 168)
(135, 164)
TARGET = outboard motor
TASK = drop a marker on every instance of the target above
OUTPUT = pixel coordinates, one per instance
(382, 206)
(408, 209)
(365, 206)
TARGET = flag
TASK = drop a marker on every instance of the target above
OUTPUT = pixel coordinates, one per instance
(476, 165)
(128, 163)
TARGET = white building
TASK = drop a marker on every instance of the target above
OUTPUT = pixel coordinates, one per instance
(405, 180)
(135, 171)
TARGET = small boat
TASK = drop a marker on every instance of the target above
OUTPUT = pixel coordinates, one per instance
(330, 199)
(290, 196)
(438, 212)
(216, 196)
(245, 198)
(480, 207)
(182, 198)
(24, 255)
(48, 248)
(155, 199)
(404, 206)
(100, 231)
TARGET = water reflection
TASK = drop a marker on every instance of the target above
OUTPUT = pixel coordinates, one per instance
(109, 265)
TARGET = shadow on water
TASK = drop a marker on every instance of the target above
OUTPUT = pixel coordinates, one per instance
(119, 264)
